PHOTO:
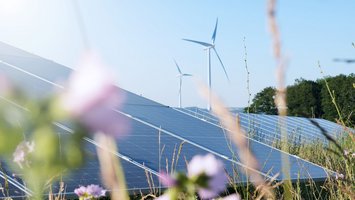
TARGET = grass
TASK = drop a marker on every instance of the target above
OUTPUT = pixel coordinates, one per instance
(317, 153)
(328, 156)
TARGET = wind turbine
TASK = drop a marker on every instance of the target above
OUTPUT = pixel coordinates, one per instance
(208, 47)
(180, 75)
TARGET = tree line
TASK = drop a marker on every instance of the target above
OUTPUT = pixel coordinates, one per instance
(313, 99)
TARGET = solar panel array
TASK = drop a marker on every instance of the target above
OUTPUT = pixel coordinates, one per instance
(267, 128)
(157, 131)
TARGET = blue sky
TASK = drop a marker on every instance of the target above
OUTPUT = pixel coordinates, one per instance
(139, 40)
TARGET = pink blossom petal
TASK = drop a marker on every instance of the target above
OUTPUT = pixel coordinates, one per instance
(95, 191)
(339, 176)
(213, 168)
(21, 152)
(164, 197)
(346, 152)
(5, 86)
(232, 197)
(91, 84)
(167, 180)
(91, 95)
(81, 191)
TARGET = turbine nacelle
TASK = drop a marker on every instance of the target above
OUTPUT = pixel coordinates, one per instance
(208, 47)
(180, 76)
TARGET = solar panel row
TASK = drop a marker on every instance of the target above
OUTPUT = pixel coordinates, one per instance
(266, 128)
(156, 132)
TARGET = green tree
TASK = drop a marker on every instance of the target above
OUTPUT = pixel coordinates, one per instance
(341, 87)
(303, 99)
(263, 102)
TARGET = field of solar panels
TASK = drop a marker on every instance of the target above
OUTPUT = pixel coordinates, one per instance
(153, 143)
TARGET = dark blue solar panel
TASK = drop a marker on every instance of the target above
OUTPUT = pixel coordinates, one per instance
(156, 127)
(131, 145)
(266, 128)
(10, 185)
(213, 138)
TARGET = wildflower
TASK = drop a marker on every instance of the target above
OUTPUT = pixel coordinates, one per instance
(232, 197)
(167, 180)
(346, 152)
(91, 95)
(95, 191)
(5, 86)
(164, 197)
(22, 151)
(81, 191)
(211, 167)
(90, 192)
(339, 176)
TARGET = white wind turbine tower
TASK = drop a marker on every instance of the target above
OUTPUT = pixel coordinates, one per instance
(180, 76)
(208, 47)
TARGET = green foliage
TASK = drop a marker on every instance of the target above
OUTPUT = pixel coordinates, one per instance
(331, 158)
(263, 102)
(303, 99)
(53, 153)
(341, 87)
(307, 98)
(186, 187)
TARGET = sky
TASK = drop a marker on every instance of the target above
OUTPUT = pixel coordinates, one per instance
(139, 39)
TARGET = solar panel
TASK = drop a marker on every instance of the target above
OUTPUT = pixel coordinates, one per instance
(266, 128)
(10, 185)
(154, 127)
(212, 137)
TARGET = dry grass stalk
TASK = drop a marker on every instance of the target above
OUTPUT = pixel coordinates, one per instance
(273, 28)
(150, 182)
(110, 167)
(178, 154)
(237, 135)
(248, 74)
(280, 98)
(148, 196)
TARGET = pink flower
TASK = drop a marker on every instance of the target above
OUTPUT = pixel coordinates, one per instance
(164, 197)
(21, 152)
(339, 176)
(214, 170)
(91, 95)
(95, 191)
(81, 191)
(232, 197)
(5, 86)
(346, 152)
(90, 192)
(167, 179)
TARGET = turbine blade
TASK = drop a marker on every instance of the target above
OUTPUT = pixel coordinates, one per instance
(344, 60)
(224, 69)
(198, 42)
(177, 66)
(214, 32)
(186, 74)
